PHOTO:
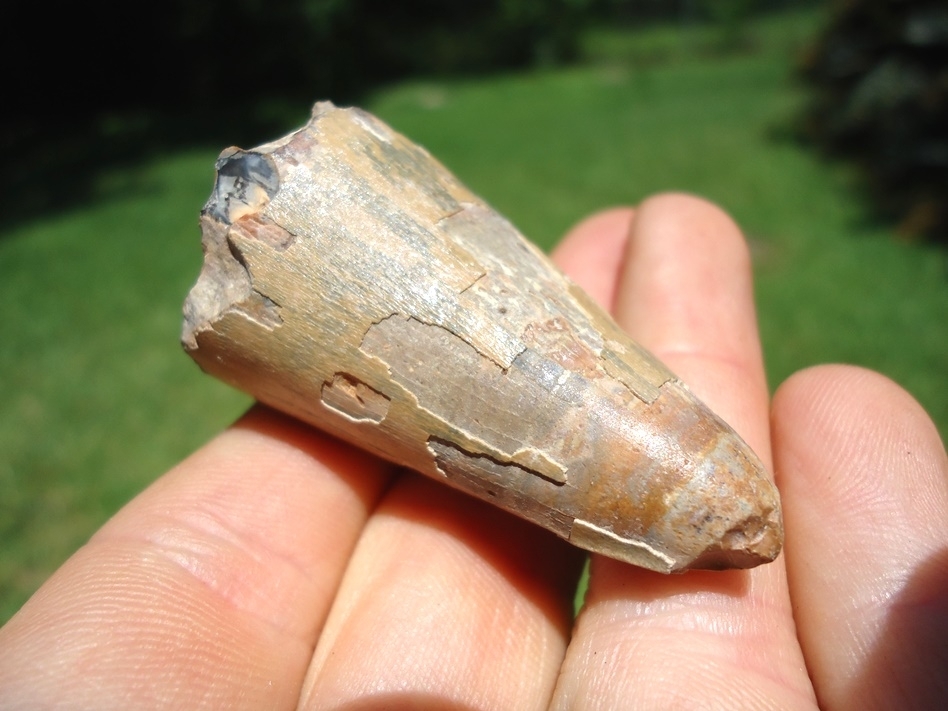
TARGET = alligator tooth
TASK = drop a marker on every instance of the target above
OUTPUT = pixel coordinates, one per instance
(351, 281)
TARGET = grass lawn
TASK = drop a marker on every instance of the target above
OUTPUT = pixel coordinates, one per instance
(98, 400)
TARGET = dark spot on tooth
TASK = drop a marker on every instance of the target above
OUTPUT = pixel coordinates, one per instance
(246, 181)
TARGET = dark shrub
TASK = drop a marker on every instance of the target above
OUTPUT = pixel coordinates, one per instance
(879, 75)
(88, 85)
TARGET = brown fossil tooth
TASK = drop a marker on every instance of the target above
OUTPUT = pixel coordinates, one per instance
(353, 282)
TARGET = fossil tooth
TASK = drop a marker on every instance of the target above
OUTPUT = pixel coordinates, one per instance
(351, 281)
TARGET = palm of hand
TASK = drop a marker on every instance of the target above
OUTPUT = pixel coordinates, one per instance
(278, 567)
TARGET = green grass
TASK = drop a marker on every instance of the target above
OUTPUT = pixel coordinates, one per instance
(98, 399)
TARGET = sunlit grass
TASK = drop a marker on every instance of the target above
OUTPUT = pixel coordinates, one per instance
(98, 400)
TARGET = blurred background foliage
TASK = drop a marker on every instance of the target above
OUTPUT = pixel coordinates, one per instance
(549, 109)
(879, 74)
(137, 80)
(130, 81)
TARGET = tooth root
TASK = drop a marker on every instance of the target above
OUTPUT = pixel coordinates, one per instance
(352, 282)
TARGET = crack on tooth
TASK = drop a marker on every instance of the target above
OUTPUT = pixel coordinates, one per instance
(479, 459)
(428, 361)
(495, 481)
(357, 401)
(600, 540)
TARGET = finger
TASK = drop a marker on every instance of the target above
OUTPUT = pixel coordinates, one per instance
(448, 603)
(687, 295)
(209, 588)
(591, 251)
(722, 640)
(865, 480)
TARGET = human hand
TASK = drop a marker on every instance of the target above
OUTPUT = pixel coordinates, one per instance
(277, 566)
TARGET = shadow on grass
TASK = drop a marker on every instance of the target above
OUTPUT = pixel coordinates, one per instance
(56, 165)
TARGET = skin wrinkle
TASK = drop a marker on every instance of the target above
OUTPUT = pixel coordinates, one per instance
(751, 676)
(729, 361)
(154, 515)
(496, 629)
(698, 622)
(413, 670)
(866, 497)
(204, 544)
(712, 635)
(202, 560)
(705, 603)
(883, 505)
(156, 647)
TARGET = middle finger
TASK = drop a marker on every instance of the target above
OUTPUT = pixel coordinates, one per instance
(703, 639)
(447, 603)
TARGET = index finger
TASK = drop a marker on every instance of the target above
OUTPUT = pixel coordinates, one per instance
(212, 585)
